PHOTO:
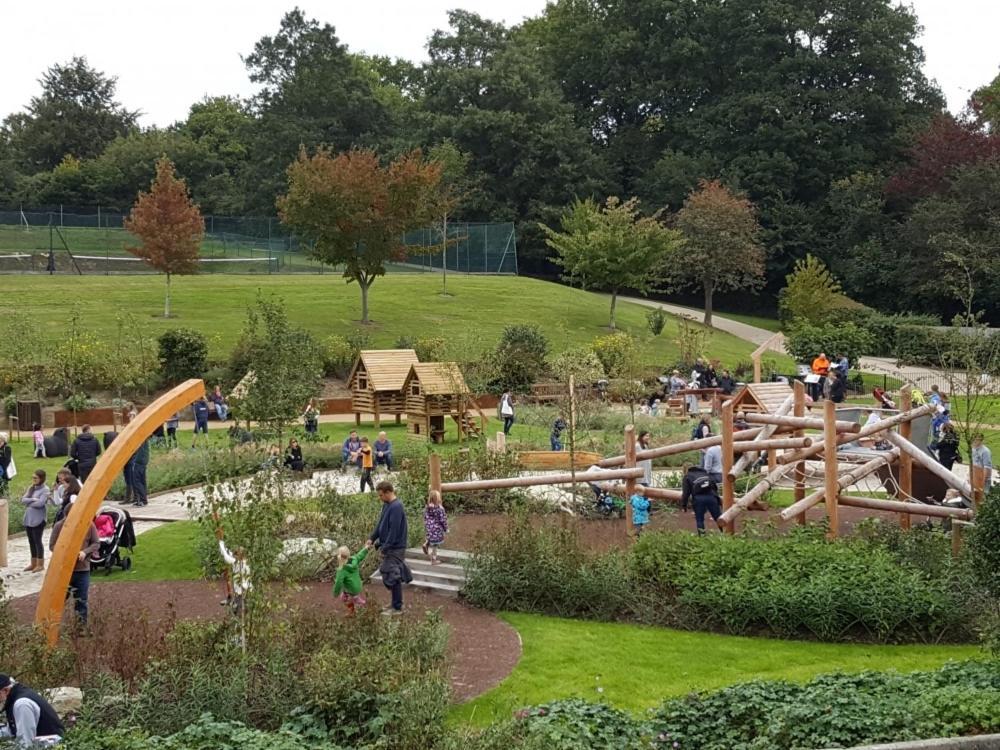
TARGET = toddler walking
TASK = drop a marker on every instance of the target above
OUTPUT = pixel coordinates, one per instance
(435, 525)
(640, 510)
(347, 584)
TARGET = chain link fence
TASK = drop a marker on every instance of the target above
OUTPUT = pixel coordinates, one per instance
(61, 240)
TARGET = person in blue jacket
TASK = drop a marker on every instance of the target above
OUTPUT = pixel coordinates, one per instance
(640, 510)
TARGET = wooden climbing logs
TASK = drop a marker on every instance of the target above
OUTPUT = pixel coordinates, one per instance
(799, 423)
(929, 463)
(674, 448)
(654, 493)
(532, 481)
(895, 506)
(744, 446)
(756, 493)
(831, 485)
(748, 458)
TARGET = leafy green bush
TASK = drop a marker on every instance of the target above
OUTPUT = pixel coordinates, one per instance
(183, 354)
(617, 352)
(805, 340)
(338, 357)
(948, 347)
(795, 587)
(656, 319)
(884, 327)
(983, 545)
(575, 724)
(533, 567)
(519, 358)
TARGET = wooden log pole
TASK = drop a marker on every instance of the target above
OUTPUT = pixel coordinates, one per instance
(831, 467)
(435, 472)
(895, 506)
(756, 493)
(799, 410)
(957, 534)
(808, 423)
(4, 520)
(674, 448)
(656, 493)
(978, 476)
(52, 597)
(905, 446)
(630, 450)
(845, 480)
(728, 483)
(541, 480)
(905, 460)
(743, 446)
(880, 426)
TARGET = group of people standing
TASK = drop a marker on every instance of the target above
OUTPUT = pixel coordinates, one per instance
(829, 378)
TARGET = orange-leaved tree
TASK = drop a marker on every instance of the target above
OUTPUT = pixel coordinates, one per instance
(169, 225)
(722, 247)
(352, 211)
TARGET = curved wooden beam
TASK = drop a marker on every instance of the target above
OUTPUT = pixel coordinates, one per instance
(52, 598)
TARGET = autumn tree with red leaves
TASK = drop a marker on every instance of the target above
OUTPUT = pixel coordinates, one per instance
(352, 211)
(722, 247)
(169, 225)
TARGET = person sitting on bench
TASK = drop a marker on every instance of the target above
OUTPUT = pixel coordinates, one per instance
(383, 451)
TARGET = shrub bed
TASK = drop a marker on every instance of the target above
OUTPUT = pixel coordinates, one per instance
(834, 710)
(885, 586)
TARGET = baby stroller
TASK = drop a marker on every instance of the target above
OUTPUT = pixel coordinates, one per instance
(114, 526)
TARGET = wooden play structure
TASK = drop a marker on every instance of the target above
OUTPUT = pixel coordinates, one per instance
(837, 452)
(52, 598)
(434, 392)
(376, 383)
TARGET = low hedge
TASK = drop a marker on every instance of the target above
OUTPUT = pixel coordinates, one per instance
(833, 710)
(886, 587)
(941, 347)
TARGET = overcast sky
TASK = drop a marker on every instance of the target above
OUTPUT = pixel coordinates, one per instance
(168, 55)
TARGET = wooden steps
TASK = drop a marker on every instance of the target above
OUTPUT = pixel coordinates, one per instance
(445, 579)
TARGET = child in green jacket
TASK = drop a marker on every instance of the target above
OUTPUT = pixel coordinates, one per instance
(347, 585)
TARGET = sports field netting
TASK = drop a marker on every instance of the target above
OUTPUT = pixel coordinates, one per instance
(86, 241)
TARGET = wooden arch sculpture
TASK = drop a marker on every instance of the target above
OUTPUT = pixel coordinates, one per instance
(52, 598)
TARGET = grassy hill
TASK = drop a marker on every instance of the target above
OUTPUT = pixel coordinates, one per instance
(473, 315)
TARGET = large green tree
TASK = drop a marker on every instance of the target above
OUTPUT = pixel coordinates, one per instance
(76, 114)
(353, 212)
(489, 93)
(612, 247)
(778, 98)
(312, 92)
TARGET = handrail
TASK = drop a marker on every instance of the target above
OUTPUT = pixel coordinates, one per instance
(775, 343)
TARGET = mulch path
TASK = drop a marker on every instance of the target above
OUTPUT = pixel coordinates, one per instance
(483, 648)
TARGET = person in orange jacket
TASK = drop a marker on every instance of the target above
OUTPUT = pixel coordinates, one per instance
(821, 367)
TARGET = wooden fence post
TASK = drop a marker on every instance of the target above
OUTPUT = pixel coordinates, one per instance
(728, 480)
(4, 511)
(799, 410)
(629, 483)
(957, 529)
(435, 472)
(830, 466)
(977, 476)
(905, 460)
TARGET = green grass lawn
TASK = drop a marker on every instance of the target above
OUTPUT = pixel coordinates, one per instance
(166, 553)
(470, 318)
(634, 667)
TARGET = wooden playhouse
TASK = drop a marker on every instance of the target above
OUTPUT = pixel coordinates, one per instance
(376, 382)
(434, 392)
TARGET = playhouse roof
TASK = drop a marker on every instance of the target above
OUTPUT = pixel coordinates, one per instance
(762, 397)
(439, 378)
(387, 368)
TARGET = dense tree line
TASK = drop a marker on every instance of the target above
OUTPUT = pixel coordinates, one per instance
(818, 112)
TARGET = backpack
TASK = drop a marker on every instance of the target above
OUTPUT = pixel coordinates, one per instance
(704, 485)
(696, 432)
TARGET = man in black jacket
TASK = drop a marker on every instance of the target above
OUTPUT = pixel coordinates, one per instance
(702, 492)
(29, 715)
(389, 538)
(85, 450)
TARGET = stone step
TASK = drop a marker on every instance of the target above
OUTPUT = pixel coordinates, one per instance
(422, 563)
(431, 576)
